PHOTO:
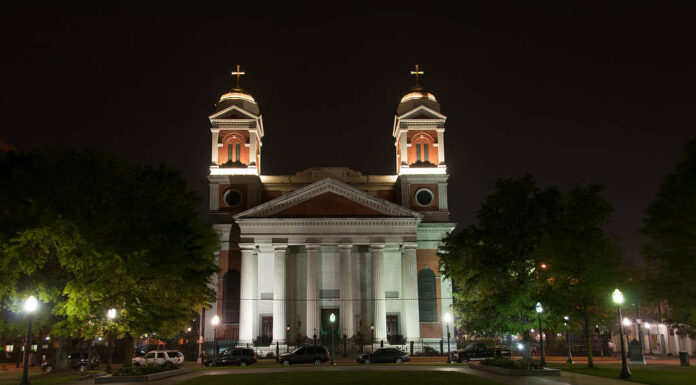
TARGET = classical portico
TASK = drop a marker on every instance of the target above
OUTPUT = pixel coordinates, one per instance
(347, 264)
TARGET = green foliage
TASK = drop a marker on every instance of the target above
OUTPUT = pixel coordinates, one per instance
(530, 245)
(493, 262)
(86, 231)
(670, 249)
(513, 364)
(584, 262)
(141, 370)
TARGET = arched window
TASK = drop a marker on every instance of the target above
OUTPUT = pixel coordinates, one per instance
(233, 146)
(427, 297)
(423, 144)
(230, 296)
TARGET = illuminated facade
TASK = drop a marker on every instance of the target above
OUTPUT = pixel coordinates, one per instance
(296, 248)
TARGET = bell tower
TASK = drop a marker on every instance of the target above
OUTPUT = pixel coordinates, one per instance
(235, 154)
(419, 133)
(237, 128)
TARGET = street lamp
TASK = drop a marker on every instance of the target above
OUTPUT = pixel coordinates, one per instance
(332, 319)
(372, 342)
(110, 315)
(30, 306)
(648, 327)
(570, 356)
(215, 321)
(287, 338)
(539, 310)
(618, 298)
(448, 320)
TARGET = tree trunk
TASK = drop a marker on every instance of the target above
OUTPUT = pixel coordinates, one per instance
(128, 355)
(588, 341)
(62, 363)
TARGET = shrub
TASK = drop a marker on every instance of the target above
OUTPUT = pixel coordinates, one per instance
(510, 364)
(135, 370)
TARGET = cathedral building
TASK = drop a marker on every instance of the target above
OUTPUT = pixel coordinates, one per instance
(297, 248)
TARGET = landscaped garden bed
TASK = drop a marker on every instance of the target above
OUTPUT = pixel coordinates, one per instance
(142, 373)
(515, 368)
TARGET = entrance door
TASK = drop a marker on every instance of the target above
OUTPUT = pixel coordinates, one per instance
(393, 335)
(267, 328)
(325, 331)
(392, 324)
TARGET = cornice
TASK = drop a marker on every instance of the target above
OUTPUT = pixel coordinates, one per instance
(323, 186)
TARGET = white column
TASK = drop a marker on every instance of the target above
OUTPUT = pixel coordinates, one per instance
(246, 295)
(280, 251)
(404, 148)
(441, 147)
(214, 197)
(214, 149)
(312, 323)
(409, 270)
(252, 148)
(255, 295)
(346, 305)
(380, 314)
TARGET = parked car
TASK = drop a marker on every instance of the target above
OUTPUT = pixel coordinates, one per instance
(238, 356)
(479, 352)
(78, 360)
(159, 357)
(384, 355)
(305, 355)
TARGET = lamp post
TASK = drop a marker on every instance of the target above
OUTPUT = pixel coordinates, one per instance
(570, 356)
(372, 341)
(539, 310)
(648, 327)
(30, 306)
(332, 319)
(287, 338)
(448, 320)
(618, 298)
(110, 315)
(215, 321)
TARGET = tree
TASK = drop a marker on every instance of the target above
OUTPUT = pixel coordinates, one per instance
(493, 262)
(88, 231)
(670, 248)
(583, 262)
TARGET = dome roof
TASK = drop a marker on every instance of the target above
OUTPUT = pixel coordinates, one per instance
(417, 97)
(238, 95)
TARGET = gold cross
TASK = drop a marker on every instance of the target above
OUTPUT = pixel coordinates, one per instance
(417, 72)
(238, 73)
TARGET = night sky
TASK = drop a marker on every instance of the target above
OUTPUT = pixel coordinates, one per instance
(568, 93)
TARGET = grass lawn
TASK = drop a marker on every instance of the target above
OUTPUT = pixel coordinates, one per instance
(649, 374)
(342, 378)
(42, 379)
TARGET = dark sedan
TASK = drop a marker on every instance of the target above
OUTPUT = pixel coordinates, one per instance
(239, 356)
(305, 355)
(386, 355)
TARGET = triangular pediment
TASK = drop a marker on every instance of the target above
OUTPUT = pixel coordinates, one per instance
(328, 198)
(422, 112)
(232, 112)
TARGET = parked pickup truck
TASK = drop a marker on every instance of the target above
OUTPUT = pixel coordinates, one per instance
(478, 352)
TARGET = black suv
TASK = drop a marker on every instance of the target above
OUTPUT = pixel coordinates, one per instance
(80, 360)
(305, 355)
(384, 356)
(238, 356)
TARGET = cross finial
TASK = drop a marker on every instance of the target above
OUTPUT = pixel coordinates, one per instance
(417, 72)
(238, 73)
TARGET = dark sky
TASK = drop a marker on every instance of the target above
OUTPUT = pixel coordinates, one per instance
(568, 93)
